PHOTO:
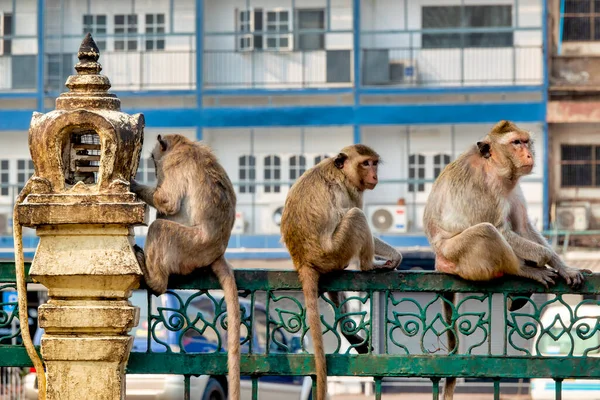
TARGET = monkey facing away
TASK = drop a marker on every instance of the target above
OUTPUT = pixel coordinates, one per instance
(324, 228)
(476, 220)
(195, 203)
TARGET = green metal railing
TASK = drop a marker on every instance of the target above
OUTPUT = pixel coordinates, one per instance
(398, 313)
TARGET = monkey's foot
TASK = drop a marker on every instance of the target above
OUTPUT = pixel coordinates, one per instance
(574, 277)
(517, 301)
(382, 263)
(545, 276)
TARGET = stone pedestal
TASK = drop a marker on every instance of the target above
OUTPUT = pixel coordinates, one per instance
(85, 153)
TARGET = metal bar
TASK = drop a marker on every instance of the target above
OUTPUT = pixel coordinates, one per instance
(41, 6)
(199, 52)
(254, 387)
(171, 15)
(546, 133)
(496, 389)
(356, 133)
(558, 388)
(435, 382)
(148, 327)
(186, 387)
(353, 365)
(328, 15)
(356, 34)
(377, 387)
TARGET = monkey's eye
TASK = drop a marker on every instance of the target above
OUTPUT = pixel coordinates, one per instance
(517, 141)
(375, 163)
(365, 163)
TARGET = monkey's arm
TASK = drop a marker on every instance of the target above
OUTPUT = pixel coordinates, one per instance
(144, 192)
(387, 252)
(526, 249)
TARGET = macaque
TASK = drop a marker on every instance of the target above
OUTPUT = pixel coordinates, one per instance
(324, 228)
(195, 203)
(476, 220)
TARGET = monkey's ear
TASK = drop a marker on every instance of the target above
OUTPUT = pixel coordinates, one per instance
(484, 149)
(339, 160)
(163, 144)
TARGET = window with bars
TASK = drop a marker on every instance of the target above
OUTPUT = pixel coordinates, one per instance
(479, 16)
(247, 173)
(272, 173)
(126, 28)
(145, 173)
(263, 29)
(580, 166)
(96, 25)
(320, 158)
(24, 172)
(297, 167)
(581, 20)
(416, 170)
(439, 163)
(4, 177)
(155, 26)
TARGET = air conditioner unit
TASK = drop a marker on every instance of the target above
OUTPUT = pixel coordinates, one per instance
(572, 217)
(4, 230)
(271, 221)
(239, 224)
(387, 218)
(403, 71)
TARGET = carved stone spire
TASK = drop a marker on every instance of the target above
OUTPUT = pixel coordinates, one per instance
(88, 89)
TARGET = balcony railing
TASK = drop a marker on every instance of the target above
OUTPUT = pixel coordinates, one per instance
(398, 313)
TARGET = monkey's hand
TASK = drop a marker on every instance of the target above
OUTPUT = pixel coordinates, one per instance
(134, 187)
(573, 276)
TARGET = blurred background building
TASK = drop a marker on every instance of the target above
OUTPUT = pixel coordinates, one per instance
(275, 86)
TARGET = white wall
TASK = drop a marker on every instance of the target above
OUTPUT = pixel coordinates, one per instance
(175, 68)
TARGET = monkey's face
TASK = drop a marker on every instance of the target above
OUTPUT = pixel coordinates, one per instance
(519, 147)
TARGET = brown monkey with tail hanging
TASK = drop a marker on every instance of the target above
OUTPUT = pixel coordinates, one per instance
(195, 203)
(324, 228)
(477, 224)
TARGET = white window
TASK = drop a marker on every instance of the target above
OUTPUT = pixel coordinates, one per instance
(416, 171)
(439, 163)
(272, 173)
(264, 29)
(145, 173)
(96, 25)
(4, 174)
(126, 27)
(247, 173)
(297, 167)
(155, 25)
(6, 29)
(278, 29)
(24, 172)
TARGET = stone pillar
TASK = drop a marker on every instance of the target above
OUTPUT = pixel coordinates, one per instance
(85, 153)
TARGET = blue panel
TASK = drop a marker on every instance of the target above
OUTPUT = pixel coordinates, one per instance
(15, 119)
(450, 90)
(276, 92)
(199, 51)
(18, 95)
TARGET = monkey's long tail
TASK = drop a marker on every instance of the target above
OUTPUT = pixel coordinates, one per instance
(224, 272)
(22, 295)
(309, 278)
(447, 310)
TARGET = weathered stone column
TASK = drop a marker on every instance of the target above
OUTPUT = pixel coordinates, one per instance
(85, 153)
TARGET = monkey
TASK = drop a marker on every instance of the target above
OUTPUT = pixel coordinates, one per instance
(324, 229)
(475, 219)
(195, 203)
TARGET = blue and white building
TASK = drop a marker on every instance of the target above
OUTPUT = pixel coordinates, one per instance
(274, 86)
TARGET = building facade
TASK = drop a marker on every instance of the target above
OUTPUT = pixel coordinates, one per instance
(273, 87)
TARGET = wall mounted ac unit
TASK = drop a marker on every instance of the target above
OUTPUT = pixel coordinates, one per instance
(271, 220)
(572, 217)
(239, 224)
(387, 218)
(403, 71)
(4, 230)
